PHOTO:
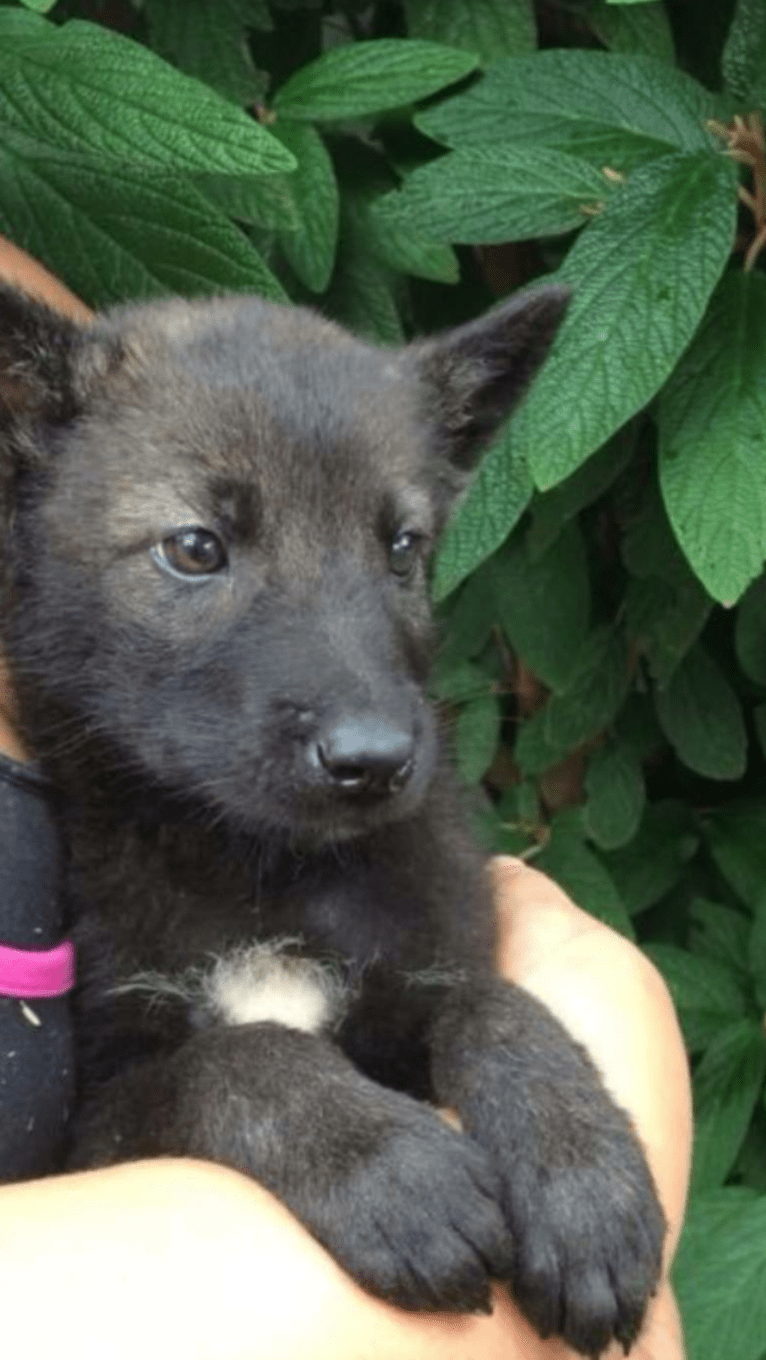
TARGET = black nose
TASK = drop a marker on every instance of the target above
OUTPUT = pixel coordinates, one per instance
(367, 755)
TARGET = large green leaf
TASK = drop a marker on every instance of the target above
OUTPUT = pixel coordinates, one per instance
(744, 55)
(654, 860)
(644, 29)
(720, 1275)
(551, 511)
(641, 275)
(595, 689)
(476, 736)
(615, 110)
(750, 631)
(614, 784)
(712, 419)
(500, 193)
(311, 249)
(120, 233)
(727, 1084)
(708, 995)
(736, 835)
(369, 77)
(206, 38)
(543, 604)
(85, 88)
(702, 719)
(495, 503)
(490, 28)
(574, 865)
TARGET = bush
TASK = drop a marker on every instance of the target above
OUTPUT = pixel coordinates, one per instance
(400, 165)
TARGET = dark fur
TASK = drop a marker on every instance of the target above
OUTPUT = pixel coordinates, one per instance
(181, 720)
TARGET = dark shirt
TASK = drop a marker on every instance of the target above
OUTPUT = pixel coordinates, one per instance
(36, 1061)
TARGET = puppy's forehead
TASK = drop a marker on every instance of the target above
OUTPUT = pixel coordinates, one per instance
(251, 388)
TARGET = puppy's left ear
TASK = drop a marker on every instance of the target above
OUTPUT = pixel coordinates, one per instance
(37, 349)
(475, 375)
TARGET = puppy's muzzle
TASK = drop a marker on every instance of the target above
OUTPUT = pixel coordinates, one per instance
(365, 756)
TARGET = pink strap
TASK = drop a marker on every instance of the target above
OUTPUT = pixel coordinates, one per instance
(31, 973)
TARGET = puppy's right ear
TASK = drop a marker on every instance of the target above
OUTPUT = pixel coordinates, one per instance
(38, 353)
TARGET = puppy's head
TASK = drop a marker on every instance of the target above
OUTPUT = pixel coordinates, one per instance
(219, 516)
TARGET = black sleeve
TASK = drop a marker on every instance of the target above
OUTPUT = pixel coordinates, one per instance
(36, 1060)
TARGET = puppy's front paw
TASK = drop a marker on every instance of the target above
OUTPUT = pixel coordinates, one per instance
(588, 1247)
(417, 1222)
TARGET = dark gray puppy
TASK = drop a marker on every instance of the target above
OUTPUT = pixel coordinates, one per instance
(218, 517)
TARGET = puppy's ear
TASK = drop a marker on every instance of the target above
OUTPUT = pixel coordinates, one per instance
(476, 374)
(38, 349)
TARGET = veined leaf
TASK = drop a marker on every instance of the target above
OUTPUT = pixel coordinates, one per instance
(498, 497)
(477, 732)
(651, 863)
(120, 233)
(712, 420)
(543, 605)
(63, 85)
(206, 39)
(641, 274)
(609, 108)
(580, 872)
(311, 249)
(707, 993)
(727, 1084)
(596, 687)
(701, 717)
(614, 784)
(736, 835)
(750, 631)
(490, 28)
(644, 29)
(744, 55)
(369, 77)
(502, 193)
(720, 1275)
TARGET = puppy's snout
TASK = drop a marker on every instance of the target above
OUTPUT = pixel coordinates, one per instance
(366, 755)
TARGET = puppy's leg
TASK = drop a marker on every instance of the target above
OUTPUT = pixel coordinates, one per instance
(403, 1202)
(577, 1192)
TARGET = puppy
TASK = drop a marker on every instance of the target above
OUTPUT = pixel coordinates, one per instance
(218, 521)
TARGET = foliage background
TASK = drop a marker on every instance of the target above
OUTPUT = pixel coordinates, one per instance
(401, 166)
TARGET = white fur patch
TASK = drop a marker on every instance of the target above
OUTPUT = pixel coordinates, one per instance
(265, 984)
(257, 984)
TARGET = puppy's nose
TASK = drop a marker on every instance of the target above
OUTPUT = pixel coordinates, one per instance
(367, 755)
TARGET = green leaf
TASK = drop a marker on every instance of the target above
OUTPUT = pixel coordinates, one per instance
(543, 605)
(121, 232)
(40, 6)
(712, 422)
(311, 250)
(553, 509)
(701, 717)
(614, 784)
(750, 631)
(756, 950)
(720, 932)
(706, 993)
(364, 78)
(466, 619)
(206, 39)
(500, 193)
(87, 89)
(720, 1275)
(642, 274)
(645, 30)
(405, 251)
(727, 1084)
(477, 732)
(262, 201)
(568, 860)
(736, 835)
(490, 28)
(744, 55)
(611, 109)
(648, 866)
(597, 685)
(498, 497)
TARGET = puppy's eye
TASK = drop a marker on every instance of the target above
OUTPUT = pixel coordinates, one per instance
(404, 553)
(191, 552)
